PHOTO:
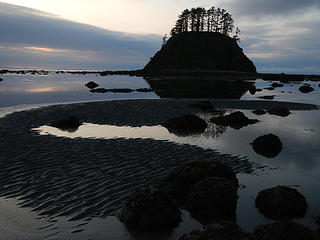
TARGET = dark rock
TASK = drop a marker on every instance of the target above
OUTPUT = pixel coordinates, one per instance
(99, 90)
(218, 231)
(306, 89)
(91, 85)
(4, 71)
(213, 199)
(267, 145)
(235, 120)
(185, 125)
(149, 208)
(179, 181)
(200, 51)
(144, 90)
(204, 106)
(1, 79)
(252, 89)
(281, 202)
(269, 88)
(270, 97)
(259, 90)
(120, 90)
(259, 112)
(71, 123)
(285, 230)
(275, 85)
(282, 112)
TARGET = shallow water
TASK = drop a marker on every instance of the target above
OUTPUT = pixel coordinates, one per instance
(297, 165)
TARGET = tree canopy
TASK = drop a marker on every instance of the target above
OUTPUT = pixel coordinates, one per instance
(202, 20)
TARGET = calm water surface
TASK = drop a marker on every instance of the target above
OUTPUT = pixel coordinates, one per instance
(297, 165)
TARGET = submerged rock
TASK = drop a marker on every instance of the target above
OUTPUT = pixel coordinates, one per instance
(281, 202)
(275, 85)
(200, 51)
(306, 89)
(92, 85)
(178, 183)
(218, 231)
(269, 97)
(70, 123)
(285, 230)
(267, 145)
(185, 125)
(269, 88)
(259, 112)
(282, 112)
(236, 120)
(213, 199)
(149, 208)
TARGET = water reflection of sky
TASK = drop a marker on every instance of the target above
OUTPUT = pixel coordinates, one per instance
(54, 88)
(297, 164)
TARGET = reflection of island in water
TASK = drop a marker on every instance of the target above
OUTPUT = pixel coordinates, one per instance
(184, 87)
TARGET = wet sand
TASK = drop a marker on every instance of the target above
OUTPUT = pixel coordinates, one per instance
(87, 178)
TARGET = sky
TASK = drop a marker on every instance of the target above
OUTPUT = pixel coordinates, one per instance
(278, 35)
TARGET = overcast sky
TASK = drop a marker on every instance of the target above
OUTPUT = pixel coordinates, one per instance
(278, 35)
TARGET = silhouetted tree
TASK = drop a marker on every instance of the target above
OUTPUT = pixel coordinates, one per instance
(200, 20)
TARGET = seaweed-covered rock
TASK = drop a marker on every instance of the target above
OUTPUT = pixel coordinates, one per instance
(259, 112)
(236, 120)
(268, 97)
(149, 208)
(213, 199)
(267, 145)
(281, 202)
(218, 231)
(282, 112)
(285, 230)
(306, 89)
(69, 123)
(179, 182)
(185, 125)
(92, 85)
(275, 85)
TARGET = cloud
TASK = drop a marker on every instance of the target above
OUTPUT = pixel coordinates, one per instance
(28, 33)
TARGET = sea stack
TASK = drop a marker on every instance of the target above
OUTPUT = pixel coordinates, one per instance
(200, 51)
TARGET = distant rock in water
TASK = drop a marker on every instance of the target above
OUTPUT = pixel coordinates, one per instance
(306, 89)
(200, 51)
(92, 85)
(1, 79)
(282, 112)
(259, 112)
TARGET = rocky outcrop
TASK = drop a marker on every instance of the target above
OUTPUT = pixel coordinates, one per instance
(236, 120)
(178, 182)
(213, 199)
(285, 230)
(149, 207)
(281, 202)
(185, 125)
(200, 51)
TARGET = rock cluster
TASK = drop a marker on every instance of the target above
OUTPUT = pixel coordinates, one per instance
(236, 120)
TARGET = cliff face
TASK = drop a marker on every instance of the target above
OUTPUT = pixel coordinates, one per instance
(200, 51)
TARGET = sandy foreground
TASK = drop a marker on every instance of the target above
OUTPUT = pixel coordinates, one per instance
(86, 178)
